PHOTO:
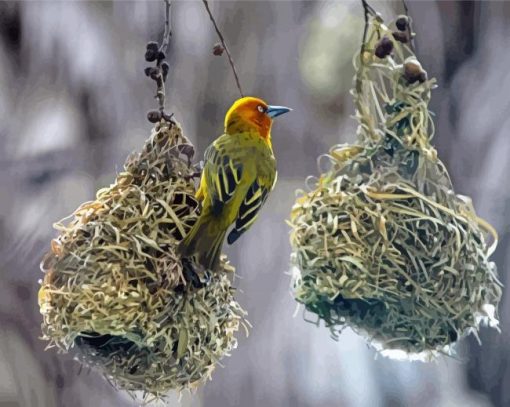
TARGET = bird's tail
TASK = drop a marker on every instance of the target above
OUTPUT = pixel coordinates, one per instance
(204, 240)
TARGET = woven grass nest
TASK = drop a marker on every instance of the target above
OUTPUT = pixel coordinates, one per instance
(116, 293)
(381, 243)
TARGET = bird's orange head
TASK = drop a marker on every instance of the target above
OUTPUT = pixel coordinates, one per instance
(252, 114)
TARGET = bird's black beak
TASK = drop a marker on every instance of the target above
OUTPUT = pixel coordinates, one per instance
(275, 111)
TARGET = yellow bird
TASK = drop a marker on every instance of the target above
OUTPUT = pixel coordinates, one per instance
(239, 172)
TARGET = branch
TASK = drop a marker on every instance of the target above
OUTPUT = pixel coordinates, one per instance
(162, 55)
(409, 30)
(368, 11)
(160, 71)
(365, 29)
(220, 35)
(168, 29)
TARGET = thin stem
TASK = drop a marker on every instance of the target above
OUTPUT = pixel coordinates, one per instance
(365, 29)
(361, 68)
(409, 31)
(220, 35)
(368, 11)
(160, 95)
(168, 28)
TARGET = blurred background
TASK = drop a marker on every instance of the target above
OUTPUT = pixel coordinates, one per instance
(73, 102)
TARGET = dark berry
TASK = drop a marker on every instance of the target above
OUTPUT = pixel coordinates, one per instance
(401, 36)
(413, 70)
(384, 47)
(152, 72)
(402, 22)
(154, 116)
(218, 49)
(152, 46)
(150, 55)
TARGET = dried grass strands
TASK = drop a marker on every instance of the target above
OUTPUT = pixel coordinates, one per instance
(116, 292)
(381, 243)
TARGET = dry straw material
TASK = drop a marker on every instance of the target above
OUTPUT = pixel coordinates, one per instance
(115, 291)
(381, 242)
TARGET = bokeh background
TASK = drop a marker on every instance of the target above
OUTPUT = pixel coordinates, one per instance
(73, 100)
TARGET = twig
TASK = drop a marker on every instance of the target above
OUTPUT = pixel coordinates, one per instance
(168, 28)
(362, 51)
(409, 31)
(160, 71)
(368, 10)
(162, 50)
(365, 29)
(220, 35)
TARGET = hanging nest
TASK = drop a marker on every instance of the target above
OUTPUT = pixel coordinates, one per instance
(115, 291)
(381, 242)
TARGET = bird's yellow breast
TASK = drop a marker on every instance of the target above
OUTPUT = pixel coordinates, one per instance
(255, 155)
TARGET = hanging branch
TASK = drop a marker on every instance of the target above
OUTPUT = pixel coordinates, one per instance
(158, 73)
(365, 29)
(168, 28)
(368, 11)
(220, 35)
(409, 29)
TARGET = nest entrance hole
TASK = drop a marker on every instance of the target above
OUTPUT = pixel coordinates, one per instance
(105, 345)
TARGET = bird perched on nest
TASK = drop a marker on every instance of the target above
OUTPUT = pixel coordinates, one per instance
(239, 172)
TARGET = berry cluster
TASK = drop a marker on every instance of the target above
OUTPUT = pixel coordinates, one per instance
(158, 74)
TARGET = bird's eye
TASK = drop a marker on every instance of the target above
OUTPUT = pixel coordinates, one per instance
(261, 108)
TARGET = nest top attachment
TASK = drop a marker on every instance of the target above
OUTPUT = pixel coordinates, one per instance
(381, 243)
(391, 84)
(115, 291)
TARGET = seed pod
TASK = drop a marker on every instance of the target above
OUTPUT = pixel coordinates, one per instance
(154, 116)
(152, 46)
(150, 55)
(413, 70)
(152, 72)
(151, 52)
(218, 49)
(148, 70)
(402, 22)
(384, 47)
(400, 36)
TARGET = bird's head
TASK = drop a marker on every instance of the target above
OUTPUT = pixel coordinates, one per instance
(250, 113)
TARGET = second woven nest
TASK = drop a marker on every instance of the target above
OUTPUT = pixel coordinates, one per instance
(382, 243)
(115, 290)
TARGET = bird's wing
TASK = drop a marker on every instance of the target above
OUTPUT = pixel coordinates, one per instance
(250, 207)
(222, 173)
